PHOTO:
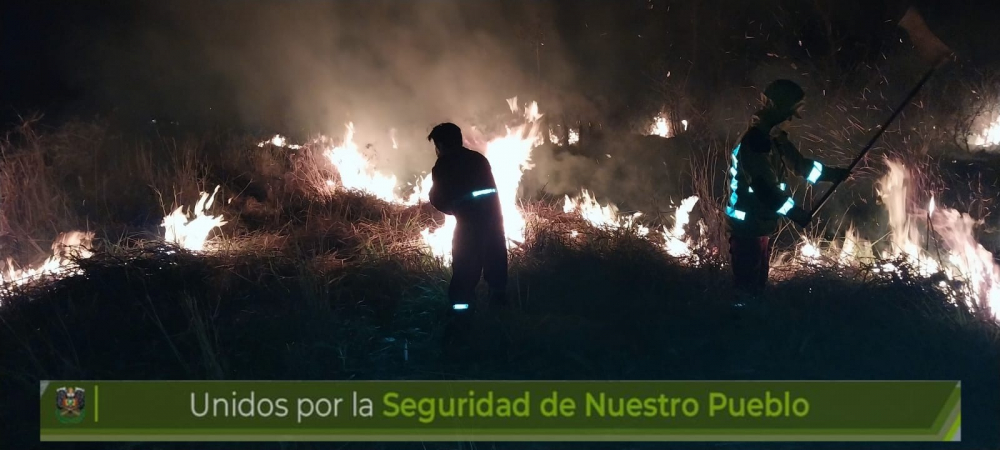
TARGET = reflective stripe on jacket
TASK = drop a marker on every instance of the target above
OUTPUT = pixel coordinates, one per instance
(758, 193)
(463, 186)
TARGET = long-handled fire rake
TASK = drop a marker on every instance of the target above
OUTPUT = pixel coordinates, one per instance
(871, 142)
(930, 45)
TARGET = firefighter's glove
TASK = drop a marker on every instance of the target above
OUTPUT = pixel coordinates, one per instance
(800, 216)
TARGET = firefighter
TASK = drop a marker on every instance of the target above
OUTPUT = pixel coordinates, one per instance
(758, 195)
(463, 186)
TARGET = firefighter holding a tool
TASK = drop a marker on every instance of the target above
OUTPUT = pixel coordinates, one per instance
(758, 195)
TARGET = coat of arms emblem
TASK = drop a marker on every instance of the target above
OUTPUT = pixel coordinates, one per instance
(69, 404)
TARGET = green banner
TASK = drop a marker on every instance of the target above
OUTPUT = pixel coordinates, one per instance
(500, 410)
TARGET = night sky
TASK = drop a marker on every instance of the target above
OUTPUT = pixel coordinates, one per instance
(138, 60)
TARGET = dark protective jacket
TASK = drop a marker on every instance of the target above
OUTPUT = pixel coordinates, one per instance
(758, 194)
(463, 186)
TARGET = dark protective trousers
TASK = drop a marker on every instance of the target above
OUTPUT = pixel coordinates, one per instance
(750, 258)
(478, 250)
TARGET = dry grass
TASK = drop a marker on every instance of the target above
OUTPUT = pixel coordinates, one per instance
(610, 306)
(307, 285)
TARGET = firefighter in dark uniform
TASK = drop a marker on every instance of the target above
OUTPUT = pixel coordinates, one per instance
(463, 186)
(758, 195)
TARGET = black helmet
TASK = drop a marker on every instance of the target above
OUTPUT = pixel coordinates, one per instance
(784, 93)
(446, 135)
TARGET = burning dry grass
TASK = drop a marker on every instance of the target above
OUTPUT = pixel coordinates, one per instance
(309, 213)
(611, 306)
(307, 282)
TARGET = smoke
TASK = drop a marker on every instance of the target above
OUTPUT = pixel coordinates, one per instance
(642, 173)
(307, 67)
(299, 68)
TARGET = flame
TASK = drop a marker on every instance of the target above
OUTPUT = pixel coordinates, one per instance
(66, 247)
(961, 258)
(509, 157)
(854, 248)
(279, 141)
(356, 171)
(512, 103)
(554, 138)
(675, 242)
(809, 250)
(989, 136)
(851, 251)
(968, 259)
(906, 238)
(602, 216)
(660, 126)
(439, 241)
(685, 123)
(421, 191)
(531, 112)
(592, 211)
(191, 233)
